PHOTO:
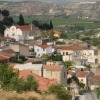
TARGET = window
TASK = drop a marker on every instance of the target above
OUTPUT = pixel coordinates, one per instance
(63, 53)
(81, 79)
(66, 53)
(37, 49)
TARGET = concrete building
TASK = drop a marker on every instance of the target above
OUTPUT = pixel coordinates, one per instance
(57, 72)
(20, 48)
(40, 50)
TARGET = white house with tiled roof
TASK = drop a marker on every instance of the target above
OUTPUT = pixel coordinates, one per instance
(40, 50)
(20, 33)
(84, 77)
(68, 52)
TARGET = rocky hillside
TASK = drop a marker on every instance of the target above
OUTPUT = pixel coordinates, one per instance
(79, 10)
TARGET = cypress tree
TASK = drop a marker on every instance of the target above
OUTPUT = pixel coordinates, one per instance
(21, 20)
(51, 25)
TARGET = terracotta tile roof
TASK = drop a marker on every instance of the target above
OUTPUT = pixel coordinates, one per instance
(25, 27)
(52, 67)
(3, 47)
(43, 46)
(96, 78)
(31, 60)
(3, 57)
(43, 83)
(4, 38)
(56, 32)
(82, 74)
(8, 55)
(72, 47)
(8, 51)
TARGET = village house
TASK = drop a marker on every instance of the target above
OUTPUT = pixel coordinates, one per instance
(22, 33)
(84, 77)
(19, 48)
(79, 55)
(56, 33)
(35, 68)
(41, 50)
(94, 82)
(70, 52)
(57, 72)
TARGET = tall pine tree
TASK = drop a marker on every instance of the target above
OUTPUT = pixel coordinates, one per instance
(21, 20)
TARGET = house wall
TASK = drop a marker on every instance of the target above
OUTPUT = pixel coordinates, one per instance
(24, 50)
(83, 80)
(14, 47)
(66, 54)
(40, 51)
(89, 55)
(60, 76)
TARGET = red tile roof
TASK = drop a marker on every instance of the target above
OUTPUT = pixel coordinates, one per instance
(56, 32)
(3, 57)
(43, 46)
(5, 38)
(8, 51)
(82, 74)
(25, 27)
(8, 55)
(96, 78)
(43, 83)
(52, 67)
(72, 47)
(31, 60)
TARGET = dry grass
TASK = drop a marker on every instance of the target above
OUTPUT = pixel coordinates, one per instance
(25, 96)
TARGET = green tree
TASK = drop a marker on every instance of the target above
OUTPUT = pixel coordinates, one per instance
(2, 28)
(98, 93)
(31, 83)
(60, 92)
(88, 66)
(51, 25)
(67, 64)
(5, 13)
(21, 20)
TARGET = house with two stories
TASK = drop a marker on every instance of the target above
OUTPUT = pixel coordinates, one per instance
(41, 50)
(84, 77)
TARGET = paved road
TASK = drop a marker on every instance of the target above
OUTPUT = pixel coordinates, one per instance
(88, 96)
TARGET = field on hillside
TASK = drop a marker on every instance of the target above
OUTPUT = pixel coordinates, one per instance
(61, 21)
